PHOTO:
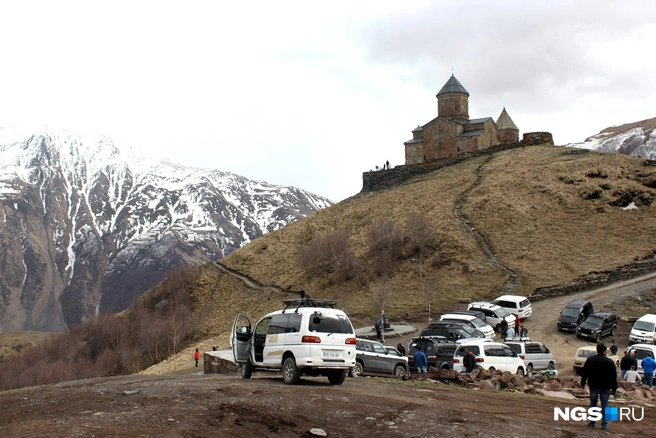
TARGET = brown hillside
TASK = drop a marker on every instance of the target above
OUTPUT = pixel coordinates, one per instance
(548, 214)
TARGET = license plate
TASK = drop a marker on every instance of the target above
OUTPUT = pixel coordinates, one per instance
(331, 354)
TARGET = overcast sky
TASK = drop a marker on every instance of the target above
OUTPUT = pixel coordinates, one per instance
(312, 94)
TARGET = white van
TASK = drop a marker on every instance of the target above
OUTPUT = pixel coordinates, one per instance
(473, 322)
(493, 314)
(515, 304)
(308, 336)
(644, 329)
(491, 356)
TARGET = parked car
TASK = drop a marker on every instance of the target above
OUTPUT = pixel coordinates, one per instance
(477, 313)
(372, 357)
(439, 353)
(597, 325)
(642, 351)
(391, 350)
(574, 314)
(536, 355)
(515, 304)
(472, 321)
(583, 353)
(491, 356)
(644, 329)
(451, 330)
(494, 314)
(308, 337)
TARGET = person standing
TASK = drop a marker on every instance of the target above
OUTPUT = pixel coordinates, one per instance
(518, 322)
(508, 334)
(648, 366)
(378, 327)
(399, 347)
(196, 357)
(469, 361)
(627, 361)
(601, 376)
(420, 360)
(503, 326)
(613, 348)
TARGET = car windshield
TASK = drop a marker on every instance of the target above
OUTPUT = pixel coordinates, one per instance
(594, 320)
(644, 326)
(330, 323)
(524, 303)
(570, 311)
(641, 354)
(502, 313)
(585, 353)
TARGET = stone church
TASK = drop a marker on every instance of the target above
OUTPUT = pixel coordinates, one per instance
(452, 132)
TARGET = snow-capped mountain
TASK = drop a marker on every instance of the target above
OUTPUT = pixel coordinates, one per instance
(87, 226)
(637, 139)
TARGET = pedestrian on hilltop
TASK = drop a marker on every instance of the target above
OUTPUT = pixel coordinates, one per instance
(601, 376)
(196, 357)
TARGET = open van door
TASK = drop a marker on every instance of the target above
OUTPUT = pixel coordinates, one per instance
(241, 338)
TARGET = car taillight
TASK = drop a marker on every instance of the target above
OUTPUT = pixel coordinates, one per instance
(480, 359)
(432, 357)
(311, 339)
(521, 356)
(456, 360)
(350, 341)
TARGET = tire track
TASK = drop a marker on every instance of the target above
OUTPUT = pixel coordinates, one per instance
(483, 242)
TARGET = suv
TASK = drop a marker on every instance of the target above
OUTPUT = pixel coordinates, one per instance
(574, 314)
(308, 336)
(477, 313)
(491, 356)
(536, 355)
(439, 353)
(515, 304)
(644, 329)
(493, 314)
(373, 357)
(597, 325)
(472, 321)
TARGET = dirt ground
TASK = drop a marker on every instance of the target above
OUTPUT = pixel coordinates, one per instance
(191, 404)
(196, 405)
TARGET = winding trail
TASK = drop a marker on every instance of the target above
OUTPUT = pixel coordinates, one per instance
(251, 283)
(481, 239)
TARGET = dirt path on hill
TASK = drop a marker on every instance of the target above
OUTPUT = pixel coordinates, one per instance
(196, 405)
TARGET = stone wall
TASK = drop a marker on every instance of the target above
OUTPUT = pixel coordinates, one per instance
(535, 138)
(596, 280)
(375, 181)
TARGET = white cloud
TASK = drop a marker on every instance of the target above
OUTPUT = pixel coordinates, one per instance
(312, 95)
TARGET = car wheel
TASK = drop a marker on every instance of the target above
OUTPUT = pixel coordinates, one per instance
(491, 369)
(351, 372)
(290, 372)
(598, 337)
(612, 331)
(357, 369)
(399, 370)
(551, 366)
(529, 371)
(246, 370)
(520, 372)
(337, 377)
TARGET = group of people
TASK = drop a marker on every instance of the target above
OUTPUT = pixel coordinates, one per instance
(518, 331)
(629, 365)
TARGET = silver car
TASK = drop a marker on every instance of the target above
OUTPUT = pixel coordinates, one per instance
(373, 357)
(536, 355)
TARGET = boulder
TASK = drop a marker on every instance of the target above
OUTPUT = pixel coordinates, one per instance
(484, 374)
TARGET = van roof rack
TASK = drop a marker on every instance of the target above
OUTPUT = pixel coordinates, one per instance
(309, 302)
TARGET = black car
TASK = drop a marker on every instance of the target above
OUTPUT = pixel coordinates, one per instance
(597, 325)
(439, 352)
(465, 329)
(574, 314)
(477, 313)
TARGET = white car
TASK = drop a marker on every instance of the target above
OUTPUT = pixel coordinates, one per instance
(490, 356)
(642, 351)
(644, 329)
(472, 321)
(493, 314)
(536, 355)
(515, 304)
(308, 337)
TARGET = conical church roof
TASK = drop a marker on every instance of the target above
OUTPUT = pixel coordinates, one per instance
(505, 122)
(453, 86)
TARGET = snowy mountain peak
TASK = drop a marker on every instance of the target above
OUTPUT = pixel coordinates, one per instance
(90, 225)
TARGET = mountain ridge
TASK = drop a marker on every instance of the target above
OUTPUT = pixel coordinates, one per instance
(89, 225)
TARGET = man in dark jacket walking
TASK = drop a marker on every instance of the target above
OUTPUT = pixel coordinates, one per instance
(601, 376)
(469, 361)
(627, 361)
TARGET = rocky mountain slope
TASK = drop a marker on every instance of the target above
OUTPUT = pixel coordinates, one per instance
(87, 226)
(636, 139)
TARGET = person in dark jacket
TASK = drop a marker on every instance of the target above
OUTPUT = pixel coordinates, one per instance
(503, 326)
(469, 361)
(401, 349)
(601, 376)
(627, 360)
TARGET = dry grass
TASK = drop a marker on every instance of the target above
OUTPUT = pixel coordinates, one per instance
(547, 214)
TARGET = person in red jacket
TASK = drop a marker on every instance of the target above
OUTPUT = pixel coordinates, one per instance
(196, 357)
(518, 321)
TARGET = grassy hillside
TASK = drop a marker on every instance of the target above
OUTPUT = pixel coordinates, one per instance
(547, 215)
